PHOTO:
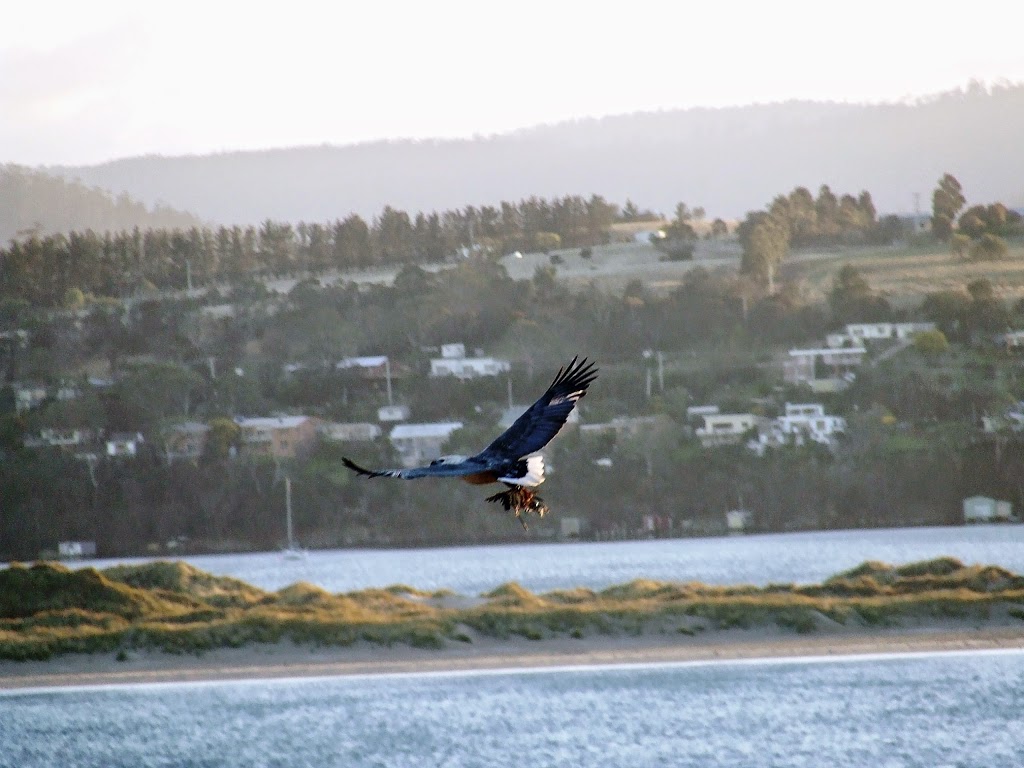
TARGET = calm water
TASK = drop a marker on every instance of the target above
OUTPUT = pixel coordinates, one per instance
(775, 558)
(925, 711)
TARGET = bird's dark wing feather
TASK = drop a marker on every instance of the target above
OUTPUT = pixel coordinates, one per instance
(434, 470)
(542, 420)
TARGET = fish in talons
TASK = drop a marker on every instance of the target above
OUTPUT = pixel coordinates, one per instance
(520, 501)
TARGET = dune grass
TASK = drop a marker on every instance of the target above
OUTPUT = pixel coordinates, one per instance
(47, 609)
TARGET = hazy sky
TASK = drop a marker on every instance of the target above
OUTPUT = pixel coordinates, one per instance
(84, 82)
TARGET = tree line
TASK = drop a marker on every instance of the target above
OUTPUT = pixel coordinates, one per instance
(59, 270)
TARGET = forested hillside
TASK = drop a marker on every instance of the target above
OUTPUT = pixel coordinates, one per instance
(728, 160)
(98, 340)
(32, 202)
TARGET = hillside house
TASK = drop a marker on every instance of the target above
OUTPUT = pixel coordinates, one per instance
(453, 362)
(124, 444)
(810, 420)
(725, 428)
(186, 441)
(393, 413)
(27, 397)
(855, 334)
(278, 437)
(806, 366)
(369, 367)
(58, 437)
(801, 423)
(621, 426)
(695, 413)
(350, 432)
(465, 368)
(421, 443)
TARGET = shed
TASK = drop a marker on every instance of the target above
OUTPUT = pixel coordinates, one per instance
(983, 509)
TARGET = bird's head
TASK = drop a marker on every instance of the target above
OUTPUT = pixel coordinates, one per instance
(446, 460)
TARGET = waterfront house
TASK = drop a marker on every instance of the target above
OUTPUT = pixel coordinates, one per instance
(421, 443)
(983, 509)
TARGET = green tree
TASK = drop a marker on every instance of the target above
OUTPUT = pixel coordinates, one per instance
(680, 236)
(547, 241)
(989, 248)
(947, 200)
(960, 245)
(224, 435)
(931, 343)
(851, 299)
(765, 241)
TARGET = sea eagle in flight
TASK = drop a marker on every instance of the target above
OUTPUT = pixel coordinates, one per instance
(511, 459)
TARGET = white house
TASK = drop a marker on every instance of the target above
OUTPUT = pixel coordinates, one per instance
(737, 520)
(801, 422)
(186, 440)
(725, 428)
(28, 397)
(698, 412)
(370, 366)
(393, 413)
(56, 437)
(800, 367)
(811, 421)
(421, 443)
(124, 444)
(621, 426)
(76, 550)
(468, 367)
(982, 509)
(350, 432)
(453, 362)
(856, 334)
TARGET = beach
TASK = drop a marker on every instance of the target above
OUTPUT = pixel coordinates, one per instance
(288, 660)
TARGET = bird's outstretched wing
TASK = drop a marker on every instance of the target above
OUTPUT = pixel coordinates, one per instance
(542, 420)
(433, 470)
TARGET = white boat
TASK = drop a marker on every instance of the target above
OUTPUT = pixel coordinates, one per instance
(292, 550)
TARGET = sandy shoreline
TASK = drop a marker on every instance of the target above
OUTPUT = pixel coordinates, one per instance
(287, 660)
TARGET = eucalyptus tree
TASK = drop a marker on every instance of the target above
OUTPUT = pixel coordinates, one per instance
(765, 240)
(947, 200)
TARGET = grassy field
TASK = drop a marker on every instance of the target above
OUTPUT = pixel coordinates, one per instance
(48, 610)
(904, 274)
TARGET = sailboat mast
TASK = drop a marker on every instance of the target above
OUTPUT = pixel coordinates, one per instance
(288, 509)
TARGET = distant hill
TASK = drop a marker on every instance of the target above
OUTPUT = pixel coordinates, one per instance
(32, 201)
(728, 160)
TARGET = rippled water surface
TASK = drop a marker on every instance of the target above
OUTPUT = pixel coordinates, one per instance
(765, 559)
(925, 711)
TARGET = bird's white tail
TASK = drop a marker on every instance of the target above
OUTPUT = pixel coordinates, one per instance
(530, 472)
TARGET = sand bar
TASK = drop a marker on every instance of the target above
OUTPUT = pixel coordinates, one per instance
(287, 660)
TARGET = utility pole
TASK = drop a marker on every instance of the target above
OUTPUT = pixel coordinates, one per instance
(387, 374)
